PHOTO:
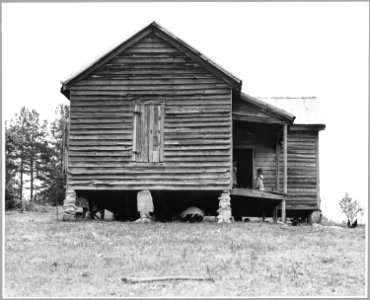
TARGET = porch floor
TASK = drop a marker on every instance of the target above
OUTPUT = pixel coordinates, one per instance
(253, 193)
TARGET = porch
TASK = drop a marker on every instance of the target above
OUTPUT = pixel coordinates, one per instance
(259, 142)
(256, 203)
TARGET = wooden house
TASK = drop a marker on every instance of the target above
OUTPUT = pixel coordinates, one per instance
(155, 114)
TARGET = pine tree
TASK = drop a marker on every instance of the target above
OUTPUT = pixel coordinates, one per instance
(27, 138)
(11, 143)
(18, 127)
(33, 150)
(35, 143)
(51, 167)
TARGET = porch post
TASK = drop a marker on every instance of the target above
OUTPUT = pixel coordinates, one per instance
(277, 178)
(274, 213)
(283, 212)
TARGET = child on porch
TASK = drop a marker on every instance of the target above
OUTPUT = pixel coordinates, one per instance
(258, 183)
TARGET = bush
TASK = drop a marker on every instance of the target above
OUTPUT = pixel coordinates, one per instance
(12, 203)
(351, 208)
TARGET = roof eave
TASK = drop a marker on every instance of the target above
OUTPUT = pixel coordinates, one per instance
(65, 91)
(97, 63)
(305, 127)
(225, 75)
(288, 117)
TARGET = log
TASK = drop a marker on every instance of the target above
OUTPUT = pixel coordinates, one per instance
(166, 278)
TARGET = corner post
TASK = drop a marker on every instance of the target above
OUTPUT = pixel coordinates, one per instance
(283, 210)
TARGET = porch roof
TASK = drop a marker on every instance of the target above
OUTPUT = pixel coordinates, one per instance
(306, 109)
(251, 109)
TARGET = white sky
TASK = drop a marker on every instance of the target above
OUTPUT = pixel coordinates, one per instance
(277, 49)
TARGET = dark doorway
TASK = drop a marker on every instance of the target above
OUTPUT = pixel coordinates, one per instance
(244, 166)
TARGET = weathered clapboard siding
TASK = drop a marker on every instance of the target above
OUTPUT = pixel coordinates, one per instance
(197, 122)
(302, 169)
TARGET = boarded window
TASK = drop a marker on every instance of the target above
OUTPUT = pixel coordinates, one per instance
(148, 132)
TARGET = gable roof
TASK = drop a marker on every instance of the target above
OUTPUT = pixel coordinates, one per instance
(306, 109)
(200, 58)
(248, 108)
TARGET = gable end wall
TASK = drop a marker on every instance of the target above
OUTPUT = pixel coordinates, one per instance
(197, 128)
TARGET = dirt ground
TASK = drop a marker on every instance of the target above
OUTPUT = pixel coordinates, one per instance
(49, 258)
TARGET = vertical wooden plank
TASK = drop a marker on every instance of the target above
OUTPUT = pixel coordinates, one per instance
(231, 142)
(283, 212)
(134, 133)
(146, 122)
(156, 133)
(151, 133)
(318, 172)
(162, 120)
(277, 176)
(65, 149)
(140, 138)
(254, 165)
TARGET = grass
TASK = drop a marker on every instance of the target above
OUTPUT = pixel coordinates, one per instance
(49, 258)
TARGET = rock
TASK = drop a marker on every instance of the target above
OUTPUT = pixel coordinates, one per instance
(82, 202)
(143, 220)
(69, 205)
(145, 202)
(210, 219)
(315, 217)
(68, 217)
(192, 214)
(224, 212)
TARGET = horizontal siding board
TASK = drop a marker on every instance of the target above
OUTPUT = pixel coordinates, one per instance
(154, 91)
(154, 187)
(133, 170)
(150, 82)
(168, 87)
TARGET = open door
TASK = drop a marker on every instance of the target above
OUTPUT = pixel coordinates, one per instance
(244, 167)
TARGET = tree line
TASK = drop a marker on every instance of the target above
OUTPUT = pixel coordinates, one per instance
(34, 158)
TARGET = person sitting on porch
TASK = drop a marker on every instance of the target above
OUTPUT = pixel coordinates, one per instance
(258, 183)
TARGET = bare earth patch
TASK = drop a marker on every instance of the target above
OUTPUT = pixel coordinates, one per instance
(45, 258)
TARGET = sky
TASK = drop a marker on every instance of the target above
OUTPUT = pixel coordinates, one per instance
(276, 49)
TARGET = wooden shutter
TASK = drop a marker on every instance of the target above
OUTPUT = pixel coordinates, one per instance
(148, 133)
